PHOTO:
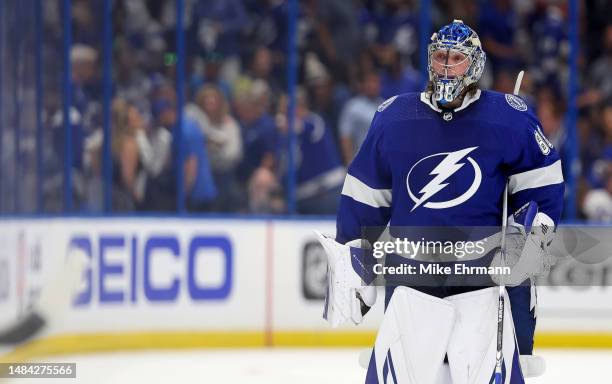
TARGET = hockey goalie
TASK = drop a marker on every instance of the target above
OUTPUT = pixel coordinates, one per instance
(444, 158)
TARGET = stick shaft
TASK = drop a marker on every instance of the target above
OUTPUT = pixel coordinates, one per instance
(501, 301)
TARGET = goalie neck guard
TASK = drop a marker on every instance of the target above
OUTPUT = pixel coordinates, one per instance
(452, 38)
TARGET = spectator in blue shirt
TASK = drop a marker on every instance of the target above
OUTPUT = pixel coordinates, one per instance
(395, 77)
(497, 29)
(549, 38)
(326, 96)
(219, 25)
(258, 128)
(259, 139)
(198, 182)
(319, 170)
(357, 115)
(391, 23)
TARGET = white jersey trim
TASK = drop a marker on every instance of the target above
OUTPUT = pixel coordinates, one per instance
(359, 191)
(327, 180)
(468, 99)
(426, 98)
(536, 178)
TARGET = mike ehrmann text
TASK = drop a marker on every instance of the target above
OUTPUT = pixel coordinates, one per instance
(438, 269)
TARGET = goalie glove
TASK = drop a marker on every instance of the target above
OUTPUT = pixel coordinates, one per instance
(348, 295)
(529, 235)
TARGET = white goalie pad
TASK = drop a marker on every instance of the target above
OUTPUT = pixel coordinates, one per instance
(473, 343)
(413, 338)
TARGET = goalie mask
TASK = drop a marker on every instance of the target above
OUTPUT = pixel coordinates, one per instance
(455, 60)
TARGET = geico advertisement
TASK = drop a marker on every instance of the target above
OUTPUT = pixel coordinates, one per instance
(155, 267)
(148, 274)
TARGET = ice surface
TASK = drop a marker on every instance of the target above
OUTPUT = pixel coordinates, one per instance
(276, 365)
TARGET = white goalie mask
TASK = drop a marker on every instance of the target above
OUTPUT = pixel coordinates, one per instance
(455, 60)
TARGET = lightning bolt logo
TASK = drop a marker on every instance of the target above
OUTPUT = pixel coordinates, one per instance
(449, 165)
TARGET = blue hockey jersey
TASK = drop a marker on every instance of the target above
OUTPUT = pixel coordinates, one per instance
(423, 166)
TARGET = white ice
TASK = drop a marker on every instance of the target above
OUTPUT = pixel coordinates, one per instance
(276, 365)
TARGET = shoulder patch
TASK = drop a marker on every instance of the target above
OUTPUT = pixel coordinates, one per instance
(386, 103)
(548, 142)
(543, 143)
(516, 102)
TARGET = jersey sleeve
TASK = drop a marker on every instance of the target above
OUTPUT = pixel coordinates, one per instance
(366, 194)
(535, 172)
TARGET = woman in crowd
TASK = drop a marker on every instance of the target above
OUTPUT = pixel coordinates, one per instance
(127, 166)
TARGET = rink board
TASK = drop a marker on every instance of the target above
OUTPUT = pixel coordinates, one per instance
(193, 282)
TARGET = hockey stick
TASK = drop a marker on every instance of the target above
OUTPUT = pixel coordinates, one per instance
(54, 300)
(517, 84)
(502, 288)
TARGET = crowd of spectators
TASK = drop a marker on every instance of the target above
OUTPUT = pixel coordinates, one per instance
(352, 54)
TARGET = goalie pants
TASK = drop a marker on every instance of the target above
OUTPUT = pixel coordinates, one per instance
(522, 314)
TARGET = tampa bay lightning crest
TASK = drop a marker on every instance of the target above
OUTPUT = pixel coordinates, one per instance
(516, 102)
(446, 179)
